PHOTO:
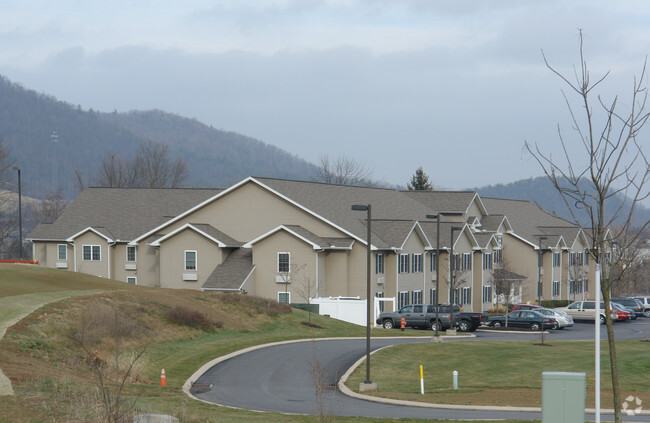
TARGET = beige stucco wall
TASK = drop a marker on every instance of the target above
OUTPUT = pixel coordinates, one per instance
(97, 268)
(474, 210)
(413, 281)
(251, 211)
(521, 258)
(119, 264)
(302, 263)
(172, 259)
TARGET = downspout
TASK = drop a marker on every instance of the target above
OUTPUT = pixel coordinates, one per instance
(109, 257)
(397, 277)
(74, 255)
(317, 271)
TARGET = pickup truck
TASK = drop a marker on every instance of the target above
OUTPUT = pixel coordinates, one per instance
(424, 315)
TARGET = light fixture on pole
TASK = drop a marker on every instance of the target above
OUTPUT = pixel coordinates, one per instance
(540, 262)
(20, 215)
(367, 208)
(437, 217)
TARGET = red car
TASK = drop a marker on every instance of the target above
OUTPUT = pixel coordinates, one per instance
(522, 307)
(621, 312)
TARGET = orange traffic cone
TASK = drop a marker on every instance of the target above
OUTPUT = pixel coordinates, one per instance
(163, 378)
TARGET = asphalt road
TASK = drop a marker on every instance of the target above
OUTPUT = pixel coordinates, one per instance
(279, 378)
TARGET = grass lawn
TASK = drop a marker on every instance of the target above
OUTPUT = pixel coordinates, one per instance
(501, 373)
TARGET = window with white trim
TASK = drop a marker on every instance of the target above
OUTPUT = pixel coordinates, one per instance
(572, 259)
(92, 252)
(556, 259)
(498, 256)
(284, 262)
(403, 299)
(284, 297)
(455, 262)
(379, 264)
(467, 261)
(130, 253)
(62, 251)
(434, 262)
(487, 293)
(381, 303)
(586, 253)
(403, 263)
(466, 296)
(416, 297)
(433, 296)
(190, 260)
(487, 261)
(454, 296)
(572, 287)
(417, 263)
(132, 280)
(556, 289)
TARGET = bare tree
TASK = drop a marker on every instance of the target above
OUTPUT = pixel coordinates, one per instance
(152, 167)
(8, 203)
(48, 210)
(97, 326)
(342, 171)
(307, 290)
(613, 163)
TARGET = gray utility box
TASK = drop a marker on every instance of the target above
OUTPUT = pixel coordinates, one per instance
(563, 397)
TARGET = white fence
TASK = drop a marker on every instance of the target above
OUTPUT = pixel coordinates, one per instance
(349, 309)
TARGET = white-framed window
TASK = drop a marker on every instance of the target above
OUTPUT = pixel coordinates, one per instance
(92, 252)
(454, 296)
(487, 261)
(556, 289)
(403, 299)
(467, 261)
(572, 259)
(417, 263)
(455, 262)
(556, 259)
(284, 297)
(572, 287)
(416, 297)
(433, 296)
(284, 262)
(132, 280)
(404, 264)
(434, 262)
(466, 296)
(190, 260)
(130, 253)
(487, 293)
(62, 251)
(586, 285)
(379, 264)
(586, 253)
(498, 255)
(580, 258)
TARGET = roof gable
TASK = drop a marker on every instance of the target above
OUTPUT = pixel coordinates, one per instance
(207, 231)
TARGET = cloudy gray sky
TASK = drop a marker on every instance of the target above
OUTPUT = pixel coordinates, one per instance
(454, 86)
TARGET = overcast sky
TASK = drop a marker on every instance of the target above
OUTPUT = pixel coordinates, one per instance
(454, 86)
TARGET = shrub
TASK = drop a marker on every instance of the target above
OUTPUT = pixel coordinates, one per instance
(185, 317)
(257, 304)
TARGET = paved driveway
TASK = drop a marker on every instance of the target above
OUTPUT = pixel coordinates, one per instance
(279, 378)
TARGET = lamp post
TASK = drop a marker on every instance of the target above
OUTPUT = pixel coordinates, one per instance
(358, 207)
(452, 264)
(20, 215)
(437, 217)
(540, 259)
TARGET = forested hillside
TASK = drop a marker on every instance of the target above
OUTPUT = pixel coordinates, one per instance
(539, 190)
(214, 157)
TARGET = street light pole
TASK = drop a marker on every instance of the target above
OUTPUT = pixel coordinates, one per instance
(367, 208)
(20, 215)
(452, 264)
(437, 217)
(540, 258)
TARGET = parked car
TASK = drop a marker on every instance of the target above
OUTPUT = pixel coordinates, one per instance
(521, 307)
(584, 310)
(421, 316)
(622, 313)
(524, 319)
(631, 304)
(645, 301)
(563, 320)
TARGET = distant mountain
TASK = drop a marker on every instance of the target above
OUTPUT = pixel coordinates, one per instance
(540, 190)
(215, 158)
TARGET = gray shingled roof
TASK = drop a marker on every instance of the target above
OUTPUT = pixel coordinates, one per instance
(392, 233)
(217, 234)
(126, 213)
(483, 238)
(504, 275)
(328, 242)
(527, 218)
(443, 201)
(491, 223)
(232, 273)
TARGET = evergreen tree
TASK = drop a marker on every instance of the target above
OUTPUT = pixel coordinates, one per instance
(420, 181)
